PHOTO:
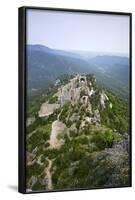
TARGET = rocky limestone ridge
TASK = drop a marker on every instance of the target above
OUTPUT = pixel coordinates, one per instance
(80, 90)
(71, 92)
(80, 93)
(72, 127)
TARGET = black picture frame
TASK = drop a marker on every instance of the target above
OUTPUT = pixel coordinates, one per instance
(22, 97)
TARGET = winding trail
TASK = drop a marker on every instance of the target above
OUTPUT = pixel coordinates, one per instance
(49, 175)
(57, 128)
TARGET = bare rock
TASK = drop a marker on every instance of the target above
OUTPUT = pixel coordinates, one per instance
(47, 109)
(58, 128)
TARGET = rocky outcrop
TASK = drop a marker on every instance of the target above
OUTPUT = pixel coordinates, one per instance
(78, 90)
(84, 100)
(30, 120)
(58, 128)
(74, 117)
(57, 82)
(71, 91)
(73, 128)
(113, 163)
(47, 109)
(97, 115)
(91, 92)
(110, 105)
(33, 180)
(103, 99)
(123, 144)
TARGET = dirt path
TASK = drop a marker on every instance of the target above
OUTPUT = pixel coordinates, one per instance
(57, 128)
(49, 175)
(39, 160)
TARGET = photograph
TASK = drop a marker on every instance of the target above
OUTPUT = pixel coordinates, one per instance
(78, 100)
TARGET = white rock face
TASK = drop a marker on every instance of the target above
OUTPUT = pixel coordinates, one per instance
(74, 117)
(57, 82)
(88, 119)
(33, 180)
(71, 91)
(84, 100)
(89, 108)
(30, 120)
(110, 105)
(73, 128)
(92, 92)
(57, 129)
(82, 81)
(47, 109)
(103, 99)
(82, 124)
(97, 115)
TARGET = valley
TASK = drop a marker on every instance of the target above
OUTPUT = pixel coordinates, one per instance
(45, 65)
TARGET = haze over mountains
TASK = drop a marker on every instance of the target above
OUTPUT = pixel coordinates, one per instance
(45, 65)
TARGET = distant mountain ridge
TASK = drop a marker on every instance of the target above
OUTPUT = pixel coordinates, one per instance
(45, 65)
(46, 49)
(105, 59)
(38, 47)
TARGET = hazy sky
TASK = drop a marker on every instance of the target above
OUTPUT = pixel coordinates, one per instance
(78, 31)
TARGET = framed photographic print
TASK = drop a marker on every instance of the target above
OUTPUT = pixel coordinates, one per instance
(74, 99)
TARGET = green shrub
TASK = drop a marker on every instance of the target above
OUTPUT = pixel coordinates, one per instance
(81, 139)
(47, 144)
(53, 99)
(78, 152)
(103, 139)
(34, 170)
(78, 123)
(44, 160)
(38, 187)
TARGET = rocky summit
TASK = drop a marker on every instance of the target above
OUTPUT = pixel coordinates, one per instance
(79, 137)
(79, 91)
